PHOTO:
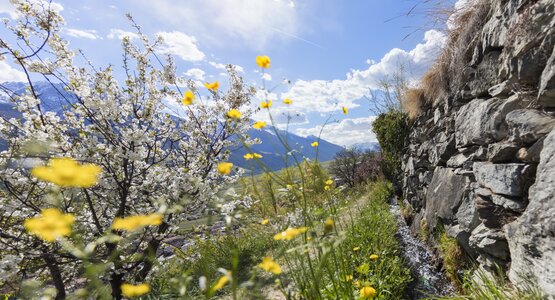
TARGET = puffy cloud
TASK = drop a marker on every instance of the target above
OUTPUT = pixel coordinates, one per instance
(120, 34)
(180, 44)
(220, 66)
(195, 73)
(326, 96)
(86, 34)
(7, 73)
(251, 22)
(7, 8)
(346, 133)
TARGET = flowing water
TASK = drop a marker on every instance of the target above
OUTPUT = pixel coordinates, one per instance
(428, 280)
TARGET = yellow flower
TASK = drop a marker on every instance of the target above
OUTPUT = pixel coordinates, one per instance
(265, 222)
(367, 292)
(315, 144)
(265, 104)
(329, 182)
(256, 155)
(345, 110)
(50, 225)
(289, 233)
(259, 125)
(327, 188)
(328, 225)
(374, 257)
(188, 98)
(356, 283)
(66, 172)
(234, 114)
(287, 101)
(263, 61)
(248, 156)
(130, 291)
(356, 248)
(348, 277)
(212, 86)
(269, 265)
(133, 223)
(221, 282)
(224, 168)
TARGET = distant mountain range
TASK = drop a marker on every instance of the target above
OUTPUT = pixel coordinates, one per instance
(54, 98)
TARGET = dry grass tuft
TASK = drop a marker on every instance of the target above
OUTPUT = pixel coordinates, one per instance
(412, 101)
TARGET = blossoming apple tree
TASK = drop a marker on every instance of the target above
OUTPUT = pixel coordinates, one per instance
(152, 168)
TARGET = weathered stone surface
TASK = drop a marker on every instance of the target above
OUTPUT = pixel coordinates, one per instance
(505, 179)
(490, 241)
(467, 214)
(443, 149)
(546, 93)
(531, 154)
(527, 126)
(501, 90)
(483, 121)
(444, 195)
(502, 152)
(532, 237)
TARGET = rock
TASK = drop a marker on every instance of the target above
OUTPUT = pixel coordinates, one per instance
(459, 160)
(502, 152)
(505, 179)
(546, 93)
(467, 214)
(532, 237)
(501, 90)
(527, 126)
(444, 195)
(443, 149)
(531, 154)
(483, 121)
(490, 241)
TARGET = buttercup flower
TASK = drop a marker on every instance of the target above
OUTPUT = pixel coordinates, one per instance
(265, 104)
(315, 144)
(66, 172)
(188, 98)
(356, 248)
(348, 277)
(221, 282)
(131, 291)
(374, 257)
(234, 114)
(269, 265)
(259, 125)
(265, 222)
(133, 223)
(50, 225)
(367, 292)
(224, 168)
(345, 110)
(212, 86)
(248, 156)
(289, 233)
(329, 182)
(287, 101)
(327, 188)
(263, 61)
(328, 225)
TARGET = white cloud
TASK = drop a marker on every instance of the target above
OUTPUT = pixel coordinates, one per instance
(195, 73)
(180, 44)
(86, 34)
(120, 34)
(345, 133)
(220, 66)
(327, 96)
(267, 77)
(7, 73)
(248, 22)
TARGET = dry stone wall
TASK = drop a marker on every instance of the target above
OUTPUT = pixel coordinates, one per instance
(481, 161)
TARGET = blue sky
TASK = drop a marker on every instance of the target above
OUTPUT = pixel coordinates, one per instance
(332, 51)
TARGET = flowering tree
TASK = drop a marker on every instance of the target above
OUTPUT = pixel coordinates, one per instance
(113, 174)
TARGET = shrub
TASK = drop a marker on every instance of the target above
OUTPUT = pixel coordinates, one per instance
(352, 166)
(391, 129)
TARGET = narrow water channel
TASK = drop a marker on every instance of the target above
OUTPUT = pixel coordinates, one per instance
(428, 280)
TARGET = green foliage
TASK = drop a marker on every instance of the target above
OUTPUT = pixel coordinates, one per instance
(452, 255)
(391, 129)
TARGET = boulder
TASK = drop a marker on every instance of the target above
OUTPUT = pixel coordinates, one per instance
(444, 196)
(527, 126)
(490, 241)
(506, 179)
(532, 236)
(502, 152)
(483, 121)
